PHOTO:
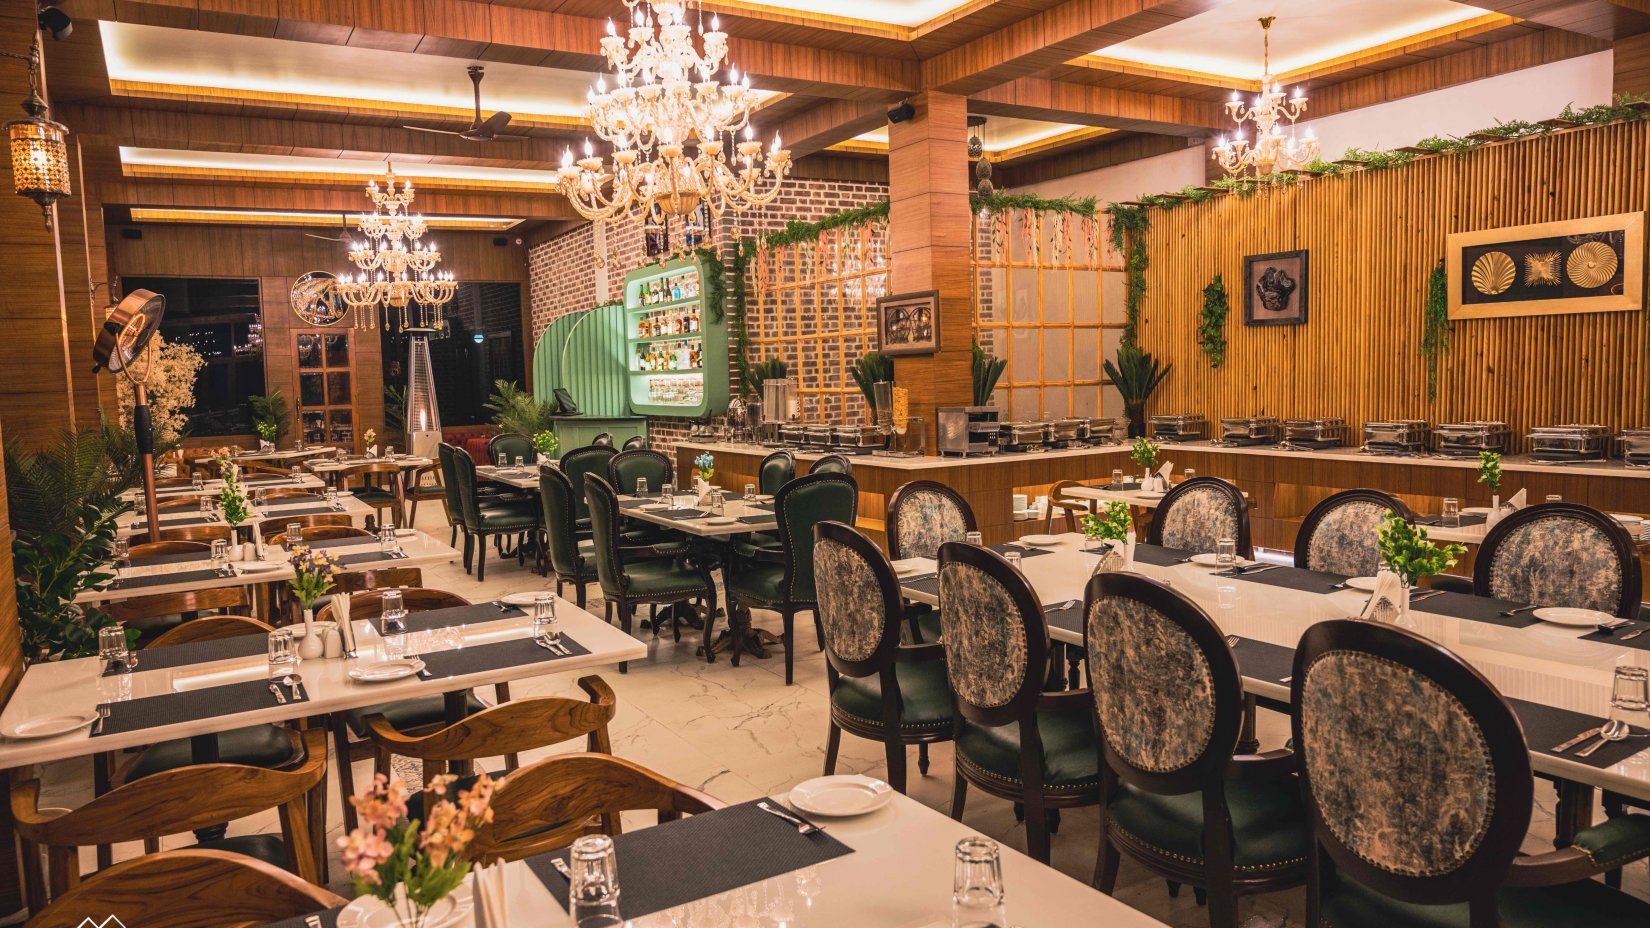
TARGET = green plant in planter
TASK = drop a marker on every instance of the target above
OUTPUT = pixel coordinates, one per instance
(1211, 336)
(1407, 552)
(872, 368)
(544, 442)
(1113, 522)
(987, 370)
(516, 410)
(1136, 374)
(1144, 452)
(232, 499)
(1489, 470)
(271, 409)
(771, 369)
(268, 431)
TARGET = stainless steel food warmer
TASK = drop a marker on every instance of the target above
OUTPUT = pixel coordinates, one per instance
(1313, 434)
(1398, 436)
(1179, 428)
(1571, 442)
(794, 434)
(1635, 447)
(1251, 430)
(858, 437)
(816, 436)
(1064, 433)
(967, 430)
(1467, 439)
(1022, 436)
(1108, 430)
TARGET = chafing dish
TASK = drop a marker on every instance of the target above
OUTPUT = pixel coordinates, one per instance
(793, 433)
(1397, 436)
(1252, 430)
(816, 436)
(1467, 439)
(858, 437)
(1108, 430)
(1179, 428)
(1570, 442)
(1022, 436)
(1635, 447)
(1312, 434)
(1063, 433)
(968, 430)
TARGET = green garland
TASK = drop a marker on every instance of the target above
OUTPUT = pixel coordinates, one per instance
(1087, 207)
(1128, 236)
(1435, 325)
(716, 284)
(796, 232)
(742, 255)
(1211, 336)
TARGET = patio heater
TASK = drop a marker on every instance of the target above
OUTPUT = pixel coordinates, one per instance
(423, 417)
(120, 347)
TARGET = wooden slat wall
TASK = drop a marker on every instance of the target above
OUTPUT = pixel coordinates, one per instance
(1374, 237)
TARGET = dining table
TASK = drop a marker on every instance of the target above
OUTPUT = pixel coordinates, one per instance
(889, 868)
(135, 522)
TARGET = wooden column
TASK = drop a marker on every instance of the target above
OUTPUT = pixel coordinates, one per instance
(1632, 65)
(928, 183)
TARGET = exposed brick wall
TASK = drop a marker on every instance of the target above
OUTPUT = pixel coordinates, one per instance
(563, 271)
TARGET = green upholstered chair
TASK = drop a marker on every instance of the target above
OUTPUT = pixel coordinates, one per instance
(591, 459)
(520, 520)
(832, 464)
(572, 561)
(624, 468)
(1169, 711)
(1014, 741)
(783, 581)
(880, 689)
(776, 470)
(922, 515)
(634, 442)
(630, 575)
(504, 448)
(1418, 789)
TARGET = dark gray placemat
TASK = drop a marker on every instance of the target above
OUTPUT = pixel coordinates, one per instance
(1467, 521)
(179, 521)
(346, 542)
(1547, 727)
(1069, 619)
(328, 917)
(759, 520)
(1293, 578)
(457, 615)
(182, 576)
(371, 557)
(199, 652)
(1126, 486)
(160, 559)
(1024, 551)
(191, 706)
(674, 863)
(269, 481)
(1259, 660)
(1476, 608)
(636, 502)
(926, 584)
(476, 658)
(305, 511)
(1159, 556)
(1642, 642)
(682, 515)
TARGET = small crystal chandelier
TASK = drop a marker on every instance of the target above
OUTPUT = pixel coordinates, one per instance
(1272, 150)
(39, 157)
(665, 97)
(396, 268)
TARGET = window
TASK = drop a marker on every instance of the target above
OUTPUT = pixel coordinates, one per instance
(325, 380)
(222, 319)
(482, 343)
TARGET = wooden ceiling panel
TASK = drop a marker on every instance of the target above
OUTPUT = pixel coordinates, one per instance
(1600, 19)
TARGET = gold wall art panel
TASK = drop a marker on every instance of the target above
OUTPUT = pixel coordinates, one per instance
(1586, 265)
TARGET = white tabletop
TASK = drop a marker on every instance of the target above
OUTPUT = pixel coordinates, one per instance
(57, 687)
(1141, 498)
(707, 526)
(527, 478)
(348, 505)
(287, 455)
(1542, 663)
(922, 462)
(330, 466)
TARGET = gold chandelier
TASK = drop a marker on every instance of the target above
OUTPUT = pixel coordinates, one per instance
(1272, 151)
(395, 269)
(666, 97)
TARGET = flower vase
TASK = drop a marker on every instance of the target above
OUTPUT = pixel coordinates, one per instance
(311, 646)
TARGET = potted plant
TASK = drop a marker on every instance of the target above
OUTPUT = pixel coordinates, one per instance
(872, 368)
(270, 411)
(267, 432)
(410, 866)
(517, 411)
(1144, 451)
(312, 575)
(370, 438)
(987, 369)
(1489, 474)
(1407, 552)
(544, 442)
(1112, 523)
(1136, 374)
(232, 501)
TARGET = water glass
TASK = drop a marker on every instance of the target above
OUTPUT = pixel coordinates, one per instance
(197, 482)
(386, 537)
(593, 889)
(206, 505)
(220, 553)
(750, 491)
(977, 886)
(297, 471)
(1554, 498)
(1116, 478)
(1451, 515)
(974, 538)
(545, 627)
(1013, 558)
(122, 552)
(1225, 551)
(641, 486)
(283, 655)
(260, 497)
(1630, 695)
(1188, 474)
(520, 462)
(111, 647)
(667, 491)
(394, 614)
(294, 535)
(332, 496)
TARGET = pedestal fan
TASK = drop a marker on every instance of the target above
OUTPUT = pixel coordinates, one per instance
(121, 347)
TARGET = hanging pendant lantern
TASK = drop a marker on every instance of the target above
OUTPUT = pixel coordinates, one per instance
(39, 156)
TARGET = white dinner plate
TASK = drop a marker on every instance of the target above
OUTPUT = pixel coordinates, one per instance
(51, 726)
(1208, 559)
(521, 599)
(1626, 519)
(1476, 511)
(257, 567)
(1039, 541)
(655, 507)
(913, 567)
(1367, 584)
(1576, 617)
(1151, 494)
(384, 671)
(761, 498)
(405, 532)
(721, 520)
(841, 795)
(370, 912)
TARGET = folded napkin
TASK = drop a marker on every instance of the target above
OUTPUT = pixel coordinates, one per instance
(487, 885)
(372, 451)
(1517, 501)
(1166, 471)
(1387, 602)
(346, 628)
(1128, 551)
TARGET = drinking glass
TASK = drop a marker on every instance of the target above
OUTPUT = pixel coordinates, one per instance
(545, 627)
(641, 486)
(294, 535)
(520, 462)
(977, 886)
(1554, 498)
(667, 491)
(260, 497)
(332, 496)
(206, 505)
(1188, 474)
(220, 553)
(122, 552)
(1630, 695)
(386, 538)
(297, 471)
(1451, 514)
(1225, 551)
(283, 657)
(974, 538)
(750, 491)
(1117, 478)
(197, 482)
(111, 647)
(394, 615)
(593, 888)
(1013, 559)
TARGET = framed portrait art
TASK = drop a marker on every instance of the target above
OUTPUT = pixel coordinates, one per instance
(1275, 288)
(909, 323)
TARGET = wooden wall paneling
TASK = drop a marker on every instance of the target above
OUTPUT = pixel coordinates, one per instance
(1631, 62)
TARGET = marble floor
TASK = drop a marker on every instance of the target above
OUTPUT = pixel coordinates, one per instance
(740, 733)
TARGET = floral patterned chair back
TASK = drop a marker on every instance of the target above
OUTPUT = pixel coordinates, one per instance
(1561, 554)
(625, 467)
(776, 470)
(858, 600)
(996, 637)
(1417, 774)
(1199, 512)
(1339, 535)
(591, 459)
(924, 514)
(1166, 688)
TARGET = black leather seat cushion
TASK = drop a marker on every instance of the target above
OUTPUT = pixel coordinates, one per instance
(1585, 902)
(1269, 827)
(1071, 756)
(925, 696)
(409, 713)
(255, 746)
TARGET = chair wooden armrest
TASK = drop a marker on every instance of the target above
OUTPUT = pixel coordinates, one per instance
(1552, 868)
(916, 653)
(1268, 766)
(597, 689)
(1066, 700)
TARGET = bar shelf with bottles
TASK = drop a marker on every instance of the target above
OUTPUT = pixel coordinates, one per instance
(677, 354)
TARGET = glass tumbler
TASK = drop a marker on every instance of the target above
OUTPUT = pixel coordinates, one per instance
(545, 627)
(974, 538)
(977, 886)
(667, 492)
(1013, 559)
(1117, 478)
(220, 553)
(750, 491)
(1188, 474)
(294, 535)
(206, 505)
(1451, 514)
(283, 656)
(197, 482)
(593, 888)
(641, 486)
(1225, 552)
(520, 462)
(1630, 696)
(1554, 498)
(112, 648)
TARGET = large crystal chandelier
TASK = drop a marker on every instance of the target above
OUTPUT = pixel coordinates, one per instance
(1272, 150)
(665, 97)
(395, 268)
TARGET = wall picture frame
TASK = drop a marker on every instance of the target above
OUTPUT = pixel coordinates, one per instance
(909, 323)
(1275, 288)
(1547, 268)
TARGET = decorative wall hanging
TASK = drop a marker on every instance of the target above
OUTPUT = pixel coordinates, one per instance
(1275, 288)
(909, 323)
(1573, 266)
(315, 299)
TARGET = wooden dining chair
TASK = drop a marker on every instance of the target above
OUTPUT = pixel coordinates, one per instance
(532, 806)
(181, 606)
(167, 548)
(1014, 741)
(1418, 790)
(1199, 512)
(1340, 534)
(201, 533)
(380, 487)
(424, 483)
(276, 525)
(215, 628)
(383, 578)
(879, 689)
(176, 801)
(1170, 712)
(184, 503)
(1070, 508)
(497, 520)
(187, 889)
(1561, 554)
(307, 493)
(315, 533)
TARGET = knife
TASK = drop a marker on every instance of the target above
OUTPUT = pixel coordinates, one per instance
(280, 697)
(1589, 733)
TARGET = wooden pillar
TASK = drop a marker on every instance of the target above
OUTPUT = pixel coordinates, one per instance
(928, 183)
(1632, 65)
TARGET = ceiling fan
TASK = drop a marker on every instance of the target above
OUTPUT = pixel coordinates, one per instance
(480, 130)
(343, 231)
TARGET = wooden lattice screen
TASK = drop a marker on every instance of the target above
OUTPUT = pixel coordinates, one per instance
(815, 305)
(1038, 304)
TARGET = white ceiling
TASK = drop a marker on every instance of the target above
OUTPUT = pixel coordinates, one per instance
(363, 169)
(999, 133)
(1227, 40)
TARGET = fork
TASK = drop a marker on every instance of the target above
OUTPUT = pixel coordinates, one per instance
(1513, 612)
(102, 716)
(803, 826)
(312, 921)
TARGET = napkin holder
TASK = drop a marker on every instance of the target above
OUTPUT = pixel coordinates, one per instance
(346, 626)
